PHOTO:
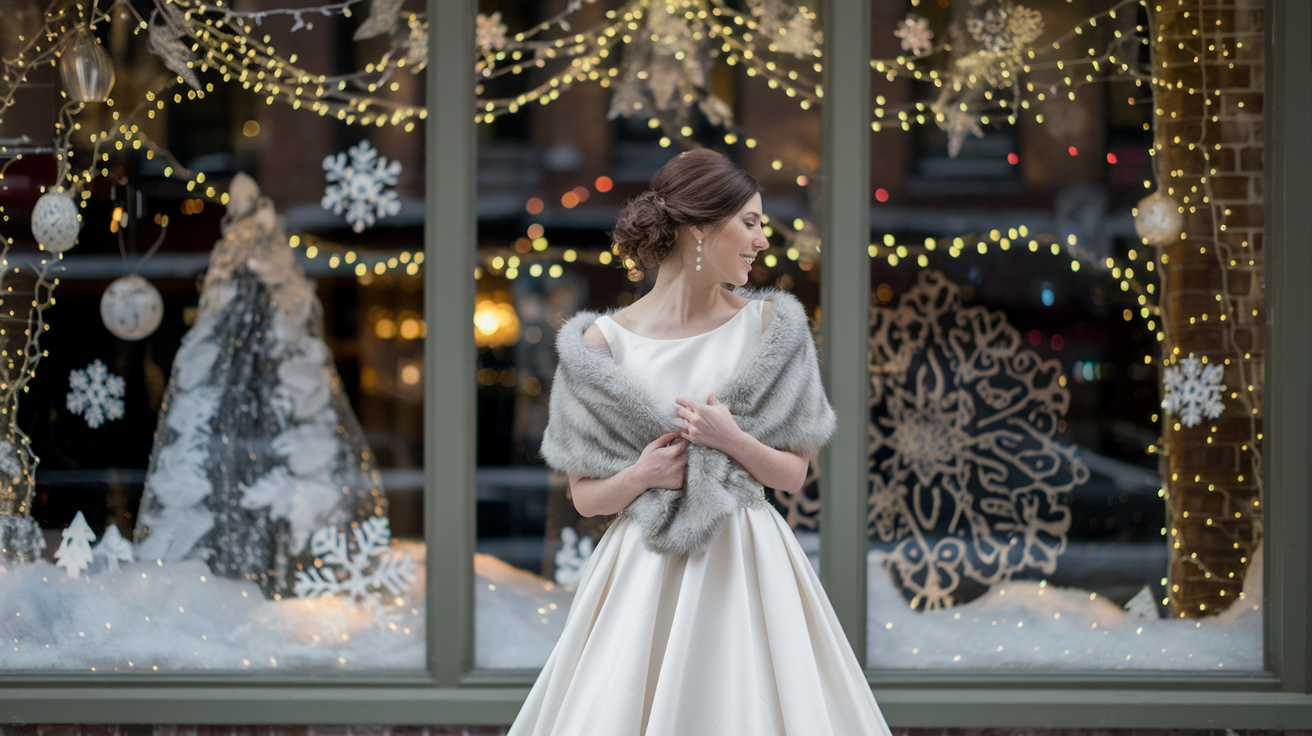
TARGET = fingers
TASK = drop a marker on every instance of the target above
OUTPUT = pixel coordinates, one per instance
(710, 400)
(663, 440)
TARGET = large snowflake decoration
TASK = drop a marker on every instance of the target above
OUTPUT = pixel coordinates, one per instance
(359, 567)
(97, 394)
(358, 188)
(965, 473)
(1193, 390)
(915, 34)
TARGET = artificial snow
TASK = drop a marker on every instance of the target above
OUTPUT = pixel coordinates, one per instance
(518, 615)
(152, 616)
(1028, 625)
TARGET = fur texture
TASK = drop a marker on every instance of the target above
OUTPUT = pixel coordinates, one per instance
(601, 418)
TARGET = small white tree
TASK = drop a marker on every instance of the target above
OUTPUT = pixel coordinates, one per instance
(74, 553)
(114, 548)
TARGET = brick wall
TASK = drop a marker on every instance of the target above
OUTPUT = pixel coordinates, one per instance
(1208, 129)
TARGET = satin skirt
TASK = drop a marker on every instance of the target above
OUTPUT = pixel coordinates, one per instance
(737, 639)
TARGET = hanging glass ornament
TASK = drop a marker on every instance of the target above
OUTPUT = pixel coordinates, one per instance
(1159, 221)
(54, 221)
(131, 308)
(86, 68)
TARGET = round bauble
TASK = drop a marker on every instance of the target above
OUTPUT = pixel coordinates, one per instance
(131, 308)
(1159, 221)
(54, 222)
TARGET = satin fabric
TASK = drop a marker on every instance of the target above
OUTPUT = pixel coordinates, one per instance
(688, 366)
(738, 639)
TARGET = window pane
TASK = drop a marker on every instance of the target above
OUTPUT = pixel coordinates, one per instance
(235, 484)
(1066, 374)
(552, 180)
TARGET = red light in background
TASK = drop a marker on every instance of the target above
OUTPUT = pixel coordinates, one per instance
(604, 184)
(582, 193)
(1036, 338)
(534, 206)
(881, 195)
(1058, 342)
(1013, 159)
(570, 200)
(1073, 151)
(1111, 158)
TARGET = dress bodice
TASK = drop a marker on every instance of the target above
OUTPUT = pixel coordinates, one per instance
(686, 366)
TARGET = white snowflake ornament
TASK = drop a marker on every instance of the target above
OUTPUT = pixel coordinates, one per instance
(131, 308)
(358, 568)
(97, 394)
(489, 32)
(1193, 390)
(915, 34)
(54, 222)
(358, 188)
(74, 553)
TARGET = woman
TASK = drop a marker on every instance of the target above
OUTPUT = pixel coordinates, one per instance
(698, 612)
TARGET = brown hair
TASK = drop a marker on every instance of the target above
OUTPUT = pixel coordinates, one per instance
(698, 187)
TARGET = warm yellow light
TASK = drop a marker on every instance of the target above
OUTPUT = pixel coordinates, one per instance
(385, 329)
(251, 128)
(495, 322)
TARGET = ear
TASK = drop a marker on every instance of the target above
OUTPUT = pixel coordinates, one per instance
(697, 232)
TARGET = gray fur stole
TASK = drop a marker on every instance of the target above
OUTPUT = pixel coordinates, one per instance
(600, 419)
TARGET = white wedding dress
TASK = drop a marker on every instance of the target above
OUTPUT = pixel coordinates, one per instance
(736, 640)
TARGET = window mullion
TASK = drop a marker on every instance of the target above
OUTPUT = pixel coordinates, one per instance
(845, 300)
(449, 237)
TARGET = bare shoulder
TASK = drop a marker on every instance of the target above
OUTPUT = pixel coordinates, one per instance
(593, 338)
(767, 314)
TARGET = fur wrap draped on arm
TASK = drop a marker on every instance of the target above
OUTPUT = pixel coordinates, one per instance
(601, 419)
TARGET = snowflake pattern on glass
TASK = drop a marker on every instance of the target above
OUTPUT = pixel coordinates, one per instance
(97, 394)
(916, 37)
(1194, 391)
(967, 474)
(359, 188)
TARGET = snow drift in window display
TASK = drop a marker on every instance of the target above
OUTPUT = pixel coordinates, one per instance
(1028, 624)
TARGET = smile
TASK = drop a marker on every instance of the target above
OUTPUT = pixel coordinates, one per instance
(749, 260)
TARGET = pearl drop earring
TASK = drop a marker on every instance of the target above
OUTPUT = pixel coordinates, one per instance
(699, 250)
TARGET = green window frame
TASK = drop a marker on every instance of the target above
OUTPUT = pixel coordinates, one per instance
(452, 692)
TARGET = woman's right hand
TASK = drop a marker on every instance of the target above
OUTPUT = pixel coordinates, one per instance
(662, 462)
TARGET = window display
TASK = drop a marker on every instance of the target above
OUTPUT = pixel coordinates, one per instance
(212, 405)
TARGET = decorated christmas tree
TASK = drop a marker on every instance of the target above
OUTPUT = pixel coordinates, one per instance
(257, 446)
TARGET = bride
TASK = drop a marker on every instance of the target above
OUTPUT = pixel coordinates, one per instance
(697, 613)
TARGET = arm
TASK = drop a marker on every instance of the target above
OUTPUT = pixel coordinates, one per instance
(711, 425)
(658, 467)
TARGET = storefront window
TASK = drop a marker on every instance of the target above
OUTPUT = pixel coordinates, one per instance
(1065, 372)
(217, 463)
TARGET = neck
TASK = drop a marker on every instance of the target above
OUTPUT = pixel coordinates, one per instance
(682, 292)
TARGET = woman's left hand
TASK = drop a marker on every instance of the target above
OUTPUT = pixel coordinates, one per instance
(708, 425)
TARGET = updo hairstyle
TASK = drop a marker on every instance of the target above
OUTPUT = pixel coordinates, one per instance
(699, 187)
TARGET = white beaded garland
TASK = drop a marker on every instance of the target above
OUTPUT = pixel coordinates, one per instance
(54, 222)
(131, 308)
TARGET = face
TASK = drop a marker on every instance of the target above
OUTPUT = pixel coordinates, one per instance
(729, 248)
